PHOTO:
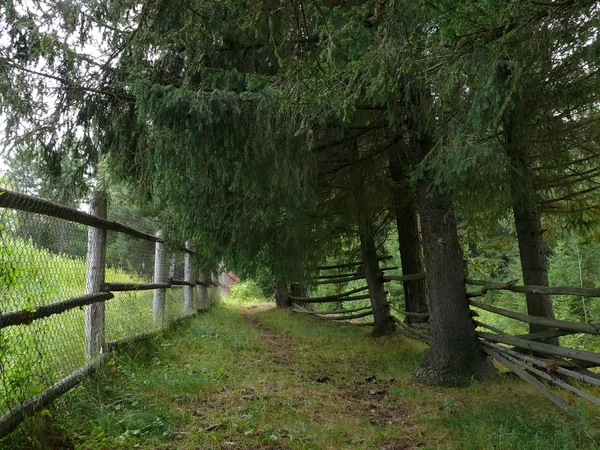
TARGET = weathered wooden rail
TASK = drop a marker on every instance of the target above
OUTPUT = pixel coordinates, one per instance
(98, 292)
(527, 355)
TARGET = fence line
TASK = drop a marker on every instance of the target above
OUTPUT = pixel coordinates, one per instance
(547, 360)
(28, 203)
(20, 214)
(12, 419)
(26, 317)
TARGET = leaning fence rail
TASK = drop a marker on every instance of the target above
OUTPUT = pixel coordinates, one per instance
(80, 344)
(527, 355)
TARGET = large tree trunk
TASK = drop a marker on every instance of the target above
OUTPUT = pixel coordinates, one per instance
(384, 323)
(455, 356)
(282, 296)
(533, 250)
(409, 239)
(381, 311)
(300, 290)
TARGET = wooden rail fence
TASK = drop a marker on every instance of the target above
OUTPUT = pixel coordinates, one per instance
(98, 292)
(534, 361)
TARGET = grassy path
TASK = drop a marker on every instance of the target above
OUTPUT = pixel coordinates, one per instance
(260, 378)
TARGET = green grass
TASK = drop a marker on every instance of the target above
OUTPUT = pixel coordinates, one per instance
(36, 355)
(274, 379)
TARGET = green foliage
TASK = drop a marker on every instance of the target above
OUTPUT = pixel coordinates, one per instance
(247, 292)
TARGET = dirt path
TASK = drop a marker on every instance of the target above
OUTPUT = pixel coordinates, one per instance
(369, 397)
(280, 347)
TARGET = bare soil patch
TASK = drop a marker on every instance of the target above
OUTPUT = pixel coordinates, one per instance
(280, 347)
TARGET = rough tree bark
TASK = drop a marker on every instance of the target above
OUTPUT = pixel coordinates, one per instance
(299, 290)
(409, 239)
(282, 296)
(533, 250)
(384, 323)
(455, 356)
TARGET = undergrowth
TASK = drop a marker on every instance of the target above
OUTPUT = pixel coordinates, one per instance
(246, 375)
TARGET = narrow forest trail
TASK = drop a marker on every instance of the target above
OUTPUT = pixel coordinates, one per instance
(366, 398)
(256, 377)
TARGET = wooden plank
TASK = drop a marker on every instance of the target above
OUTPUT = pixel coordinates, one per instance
(343, 275)
(160, 277)
(354, 264)
(125, 287)
(348, 275)
(555, 290)
(549, 394)
(28, 203)
(408, 314)
(339, 311)
(557, 381)
(95, 277)
(189, 285)
(542, 347)
(546, 365)
(413, 277)
(338, 280)
(174, 282)
(350, 317)
(406, 330)
(24, 317)
(541, 335)
(329, 297)
(339, 299)
(10, 420)
(553, 323)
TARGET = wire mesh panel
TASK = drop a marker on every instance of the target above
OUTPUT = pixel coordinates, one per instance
(174, 303)
(129, 260)
(176, 265)
(196, 299)
(129, 314)
(57, 265)
(42, 261)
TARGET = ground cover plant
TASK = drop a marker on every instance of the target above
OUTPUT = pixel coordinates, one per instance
(250, 376)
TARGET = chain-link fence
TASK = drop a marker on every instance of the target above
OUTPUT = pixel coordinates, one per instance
(74, 284)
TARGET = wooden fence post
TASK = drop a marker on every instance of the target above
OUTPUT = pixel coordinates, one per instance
(160, 276)
(95, 277)
(188, 291)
